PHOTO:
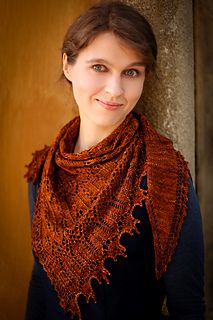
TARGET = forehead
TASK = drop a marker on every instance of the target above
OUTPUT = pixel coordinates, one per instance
(107, 46)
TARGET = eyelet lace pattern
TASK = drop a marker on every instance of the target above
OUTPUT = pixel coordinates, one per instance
(86, 200)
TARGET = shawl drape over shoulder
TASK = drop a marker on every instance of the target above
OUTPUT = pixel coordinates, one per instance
(86, 200)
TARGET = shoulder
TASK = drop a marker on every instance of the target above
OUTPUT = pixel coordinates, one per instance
(34, 168)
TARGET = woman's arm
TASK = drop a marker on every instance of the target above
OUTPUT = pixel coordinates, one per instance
(32, 195)
(35, 308)
(184, 279)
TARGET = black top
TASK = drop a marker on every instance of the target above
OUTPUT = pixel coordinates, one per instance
(133, 292)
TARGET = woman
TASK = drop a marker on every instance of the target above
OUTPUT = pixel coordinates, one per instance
(116, 226)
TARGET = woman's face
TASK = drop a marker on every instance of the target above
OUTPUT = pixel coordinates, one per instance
(107, 80)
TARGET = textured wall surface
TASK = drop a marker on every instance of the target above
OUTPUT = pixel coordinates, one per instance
(204, 136)
(169, 100)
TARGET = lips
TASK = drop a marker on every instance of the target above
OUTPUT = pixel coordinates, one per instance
(109, 105)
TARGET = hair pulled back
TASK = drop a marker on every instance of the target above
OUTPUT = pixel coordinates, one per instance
(112, 16)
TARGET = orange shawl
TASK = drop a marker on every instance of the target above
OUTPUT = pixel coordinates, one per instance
(85, 203)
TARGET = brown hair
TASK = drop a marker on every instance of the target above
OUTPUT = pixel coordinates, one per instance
(113, 16)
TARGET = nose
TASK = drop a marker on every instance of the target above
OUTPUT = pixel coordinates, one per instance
(114, 85)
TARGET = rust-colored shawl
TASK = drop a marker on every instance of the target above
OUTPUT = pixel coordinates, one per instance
(85, 203)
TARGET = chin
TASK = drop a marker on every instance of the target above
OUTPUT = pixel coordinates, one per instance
(106, 121)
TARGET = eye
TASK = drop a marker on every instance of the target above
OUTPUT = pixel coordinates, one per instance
(132, 73)
(99, 68)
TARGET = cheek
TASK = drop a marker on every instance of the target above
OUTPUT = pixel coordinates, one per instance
(86, 79)
(87, 85)
(135, 90)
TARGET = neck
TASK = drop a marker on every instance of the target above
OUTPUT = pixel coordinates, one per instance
(90, 135)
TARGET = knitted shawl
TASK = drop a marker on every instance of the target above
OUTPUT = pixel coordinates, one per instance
(86, 200)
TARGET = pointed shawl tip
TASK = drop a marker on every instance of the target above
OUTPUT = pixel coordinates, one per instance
(34, 168)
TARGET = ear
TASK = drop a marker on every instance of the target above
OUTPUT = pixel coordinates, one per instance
(67, 68)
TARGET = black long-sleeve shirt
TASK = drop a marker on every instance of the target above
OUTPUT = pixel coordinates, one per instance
(134, 293)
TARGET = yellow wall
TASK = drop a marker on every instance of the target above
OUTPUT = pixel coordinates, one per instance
(34, 104)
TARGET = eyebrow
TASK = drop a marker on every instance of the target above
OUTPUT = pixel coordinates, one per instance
(98, 60)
